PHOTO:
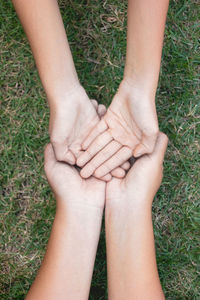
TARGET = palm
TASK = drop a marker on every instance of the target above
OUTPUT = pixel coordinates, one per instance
(84, 119)
(130, 118)
(143, 173)
(143, 179)
(70, 124)
(121, 123)
(69, 186)
(130, 124)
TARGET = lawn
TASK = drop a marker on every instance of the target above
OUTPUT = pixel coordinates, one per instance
(97, 34)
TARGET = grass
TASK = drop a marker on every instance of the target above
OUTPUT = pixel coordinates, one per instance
(98, 43)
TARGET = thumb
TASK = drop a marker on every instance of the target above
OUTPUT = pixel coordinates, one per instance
(60, 128)
(146, 146)
(63, 153)
(160, 147)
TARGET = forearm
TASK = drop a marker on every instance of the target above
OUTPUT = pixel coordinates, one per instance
(43, 25)
(67, 267)
(146, 24)
(132, 269)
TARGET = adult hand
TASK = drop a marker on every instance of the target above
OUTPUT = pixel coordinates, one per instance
(128, 128)
(141, 183)
(69, 187)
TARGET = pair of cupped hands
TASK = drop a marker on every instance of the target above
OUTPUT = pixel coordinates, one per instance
(100, 143)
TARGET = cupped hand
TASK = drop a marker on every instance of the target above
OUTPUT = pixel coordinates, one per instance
(69, 187)
(142, 181)
(129, 127)
(71, 120)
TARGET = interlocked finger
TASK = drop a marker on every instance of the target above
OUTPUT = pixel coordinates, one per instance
(118, 173)
(99, 143)
(117, 159)
(100, 128)
(126, 166)
(106, 178)
(100, 158)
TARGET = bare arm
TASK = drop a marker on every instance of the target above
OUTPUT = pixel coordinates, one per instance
(70, 106)
(131, 259)
(132, 269)
(67, 268)
(146, 24)
(131, 119)
(43, 25)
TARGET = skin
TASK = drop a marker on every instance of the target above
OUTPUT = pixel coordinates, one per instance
(130, 124)
(72, 115)
(66, 270)
(131, 260)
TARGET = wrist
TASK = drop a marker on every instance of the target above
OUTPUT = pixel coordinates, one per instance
(117, 217)
(64, 206)
(65, 94)
(86, 218)
(135, 206)
(146, 84)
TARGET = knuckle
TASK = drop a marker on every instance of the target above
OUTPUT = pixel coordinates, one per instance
(89, 153)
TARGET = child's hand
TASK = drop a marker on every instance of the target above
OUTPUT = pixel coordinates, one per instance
(141, 183)
(69, 187)
(71, 120)
(128, 128)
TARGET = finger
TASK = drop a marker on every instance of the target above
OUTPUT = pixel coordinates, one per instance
(117, 159)
(146, 145)
(106, 178)
(99, 143)
(70, 158)
(126, 166)
(101, 110)
(118, 173)
(95, 103)
(100, 158)
(62, 153)
(160, 147)
(101, 127)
